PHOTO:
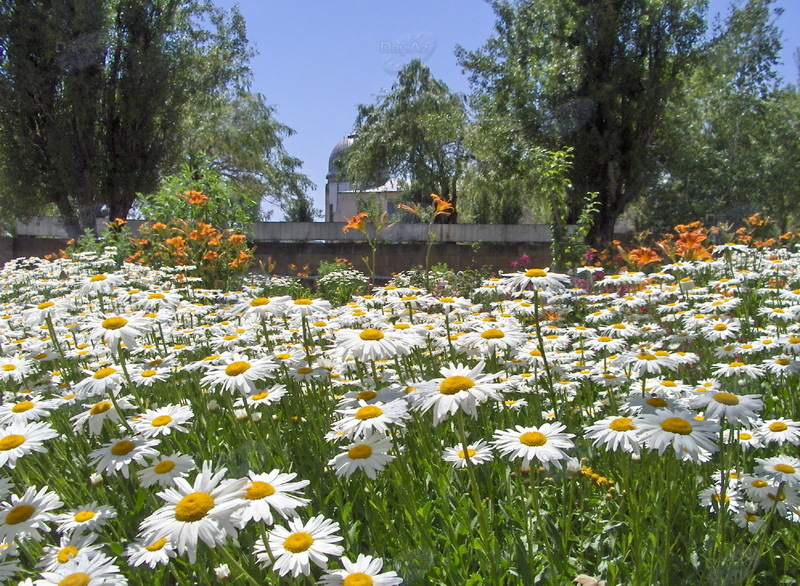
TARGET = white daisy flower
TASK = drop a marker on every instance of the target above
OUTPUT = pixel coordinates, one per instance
(780, 469)
(202, 510)
(98, 413)
(20, 439)
(689, 437)
(239, 373)
(163, 420)
(366, 570)
(87, 518)
(369, 454)
(70, 546)
(535, 279)
(478, 453)
(150, 552)
(118, 455)
(736, 409)
(90, 570)
(296, 548)
(165, 469)
(779, 431)
(31, 408)
(377, 417)
(460, 387)
(23, 517)
(615, 433)
(268, 492)
(545, 443)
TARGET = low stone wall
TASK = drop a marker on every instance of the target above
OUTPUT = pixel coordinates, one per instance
(392, 257)
(396, 257)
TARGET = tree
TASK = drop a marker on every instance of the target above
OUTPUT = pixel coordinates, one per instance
(593, 76)
(416, 133)
(239, 136)
(731, 146)
(96, 98)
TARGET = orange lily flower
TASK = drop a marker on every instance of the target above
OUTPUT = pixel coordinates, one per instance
(359, 222)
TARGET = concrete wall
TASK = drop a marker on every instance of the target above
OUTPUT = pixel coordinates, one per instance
(333, 231)
(396, 257)
(402, 246)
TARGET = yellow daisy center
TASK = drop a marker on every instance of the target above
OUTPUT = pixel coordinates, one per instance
(259, 490)
(656, 402)
(22, 406)
(114, 323)
(622, 424)
(470, 453)
(645, 356)
(100, 407)
(533, 438)
(366, 395)
(454, 384)
(259, 301)
(298, 542)
(193, 507)
(19, 514)
(736, 364)
(305, 370)
(492, 334)
(122, 448)
(759, 483)
(237, 368)
(148, 373)
(84, 516)
(97, 278)
(259, 396)
(65, 553)
(371, 334)
(358, 579)
(45, 305)
(401, 326)
(104, 372)
(156, 546)
(743, 435)
(164, 467)
(535, 273)
(76, 579)
(778, 426)
(726, 398)
(161, 421)
(785, 468)
(156, 296)
(368, 412)
(720, 327)
(11, 441)
(9, 367)
(359, 452)
(782, 362)
(303, 301)
(676, 425)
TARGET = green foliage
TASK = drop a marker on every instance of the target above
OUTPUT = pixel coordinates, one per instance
(126, 91)
(416, 131)
(592, 76)
(114, 242)
(240, 138)
(226, 207)
(338, 286)
(731, 146)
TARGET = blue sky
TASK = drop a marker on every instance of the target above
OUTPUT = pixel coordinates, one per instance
(319, 59)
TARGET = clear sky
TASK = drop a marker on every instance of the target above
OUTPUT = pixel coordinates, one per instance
(318, 59)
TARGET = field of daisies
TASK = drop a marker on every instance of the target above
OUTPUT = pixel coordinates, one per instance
(630, 428)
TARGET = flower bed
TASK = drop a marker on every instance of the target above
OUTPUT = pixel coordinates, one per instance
(643, 429)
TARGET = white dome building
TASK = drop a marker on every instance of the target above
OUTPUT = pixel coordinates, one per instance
(341, 201)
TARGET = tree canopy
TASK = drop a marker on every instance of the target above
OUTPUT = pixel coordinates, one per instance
(100, 99)
(594, 77)
(414, 132)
